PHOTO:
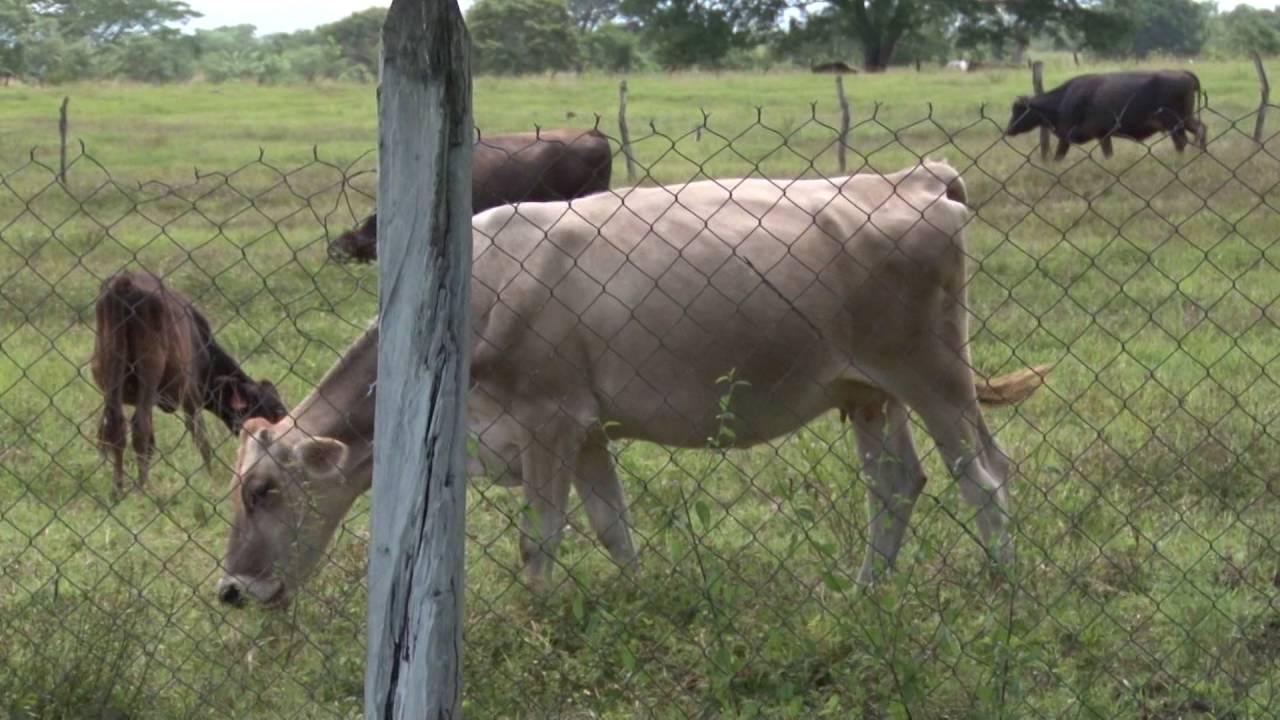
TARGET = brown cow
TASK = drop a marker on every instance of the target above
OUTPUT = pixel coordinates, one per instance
(548, 165)
(621, 312)
(153, 347)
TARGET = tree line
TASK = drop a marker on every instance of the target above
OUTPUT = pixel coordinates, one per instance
(52, 41)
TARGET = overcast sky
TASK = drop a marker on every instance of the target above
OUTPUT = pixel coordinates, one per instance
(272, 16)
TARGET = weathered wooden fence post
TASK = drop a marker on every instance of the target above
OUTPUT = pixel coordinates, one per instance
(843, 148)
(625, 134)
(62, 141)
(424, 253)
(1037, 84)
(1260, 123)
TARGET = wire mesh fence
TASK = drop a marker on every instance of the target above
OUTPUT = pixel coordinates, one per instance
(1141, 482)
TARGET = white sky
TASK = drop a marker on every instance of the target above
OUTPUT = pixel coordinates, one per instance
(272, 16)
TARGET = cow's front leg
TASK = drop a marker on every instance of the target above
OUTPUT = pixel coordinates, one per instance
(1063, 146)
(597, 483)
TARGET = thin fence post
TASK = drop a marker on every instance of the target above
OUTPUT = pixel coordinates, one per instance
(1075, 56)
(624, 133)
(1260, 123)
(416, 556)
(1037, 84)
(62, 141)
(843, 148)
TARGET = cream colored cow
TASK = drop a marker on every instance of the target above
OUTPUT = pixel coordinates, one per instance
(620, 312)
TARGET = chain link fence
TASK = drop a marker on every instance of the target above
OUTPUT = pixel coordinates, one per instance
(1142, 484)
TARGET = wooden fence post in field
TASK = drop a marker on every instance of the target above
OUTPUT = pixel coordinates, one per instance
(1037, 84)
(416, 553)
(1260, 124)
(62, 141)
(625, 134)
(1075, 56)
(843, 148)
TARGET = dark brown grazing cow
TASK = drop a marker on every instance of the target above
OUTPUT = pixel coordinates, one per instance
(1134, 105)
(839, 68)
(153, 347)
(505, 169)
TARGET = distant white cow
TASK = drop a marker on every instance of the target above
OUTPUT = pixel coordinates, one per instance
(958, 65)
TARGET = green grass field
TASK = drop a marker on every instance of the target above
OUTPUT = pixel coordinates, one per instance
(1144, 500)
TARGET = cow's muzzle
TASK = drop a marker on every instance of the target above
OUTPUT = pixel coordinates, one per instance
(235, 590)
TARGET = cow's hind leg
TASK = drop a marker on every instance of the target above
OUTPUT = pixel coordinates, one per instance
(596, 481)
(891, 464)
(1179, 137)
(149, 373)
(947, 404)
(1107, 150)
(546, 469)
(111, 441)
(144, 439)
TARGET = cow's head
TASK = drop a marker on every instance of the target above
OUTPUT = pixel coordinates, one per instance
(359, 244)
(1025, 118)
(238, 399)
(289, 493)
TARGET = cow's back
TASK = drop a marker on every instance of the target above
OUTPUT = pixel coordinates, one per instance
(1136, 103)
(137, 314)
(652, 295)
(550, 165)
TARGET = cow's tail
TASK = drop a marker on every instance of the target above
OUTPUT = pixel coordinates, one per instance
(115, 314)
(1012, 388)
(1005, 390)
(1202, 96)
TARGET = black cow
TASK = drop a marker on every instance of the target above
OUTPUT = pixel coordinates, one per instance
(549, 165)
(837, 68)
(1134, 105)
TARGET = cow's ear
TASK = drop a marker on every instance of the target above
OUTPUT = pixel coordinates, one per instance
(228, 393)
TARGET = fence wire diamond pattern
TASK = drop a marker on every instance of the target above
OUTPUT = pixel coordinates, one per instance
(1141, 487)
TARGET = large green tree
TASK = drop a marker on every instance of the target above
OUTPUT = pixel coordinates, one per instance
(1137, 28)
(1245, 30)
(880, 25)
(105, 21)
(1011, 25)
(610, 47)
(57, 40)
(163, 56)
(359, 37)
(683, 33)
(511, 37)
(1177, 27)
(592, 14)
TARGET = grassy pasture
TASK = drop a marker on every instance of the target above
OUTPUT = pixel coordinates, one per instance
(1146, 585)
